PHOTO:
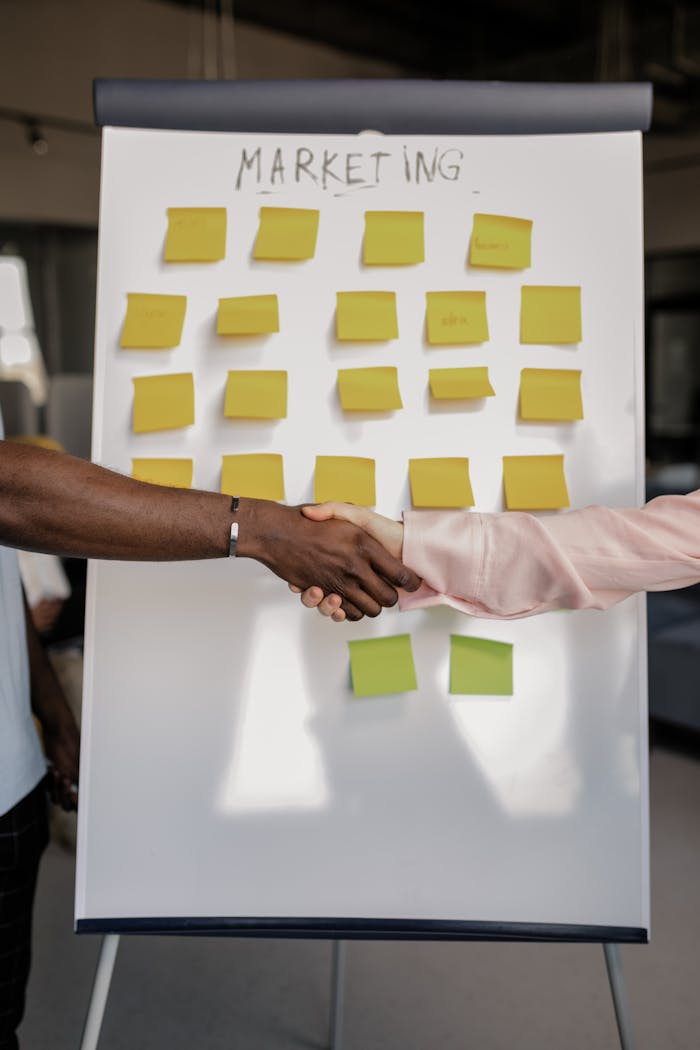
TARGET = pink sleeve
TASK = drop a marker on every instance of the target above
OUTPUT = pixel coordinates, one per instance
(512, 564)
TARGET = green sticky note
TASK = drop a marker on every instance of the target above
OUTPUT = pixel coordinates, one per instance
(381, 666)
(480, 667)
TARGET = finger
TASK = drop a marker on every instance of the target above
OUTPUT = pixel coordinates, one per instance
(350, 611)
(318, 511)
(392, 570)
(338, 616)
(312, 597)
(359, 516)
(294, 589)
(358, 595)
(330, 604)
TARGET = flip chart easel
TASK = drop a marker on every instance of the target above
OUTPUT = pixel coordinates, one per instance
(407, 108)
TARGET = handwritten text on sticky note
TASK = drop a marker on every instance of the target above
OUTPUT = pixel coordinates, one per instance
(195, 235)
(456, 318)
(501, 242)
(153, 322)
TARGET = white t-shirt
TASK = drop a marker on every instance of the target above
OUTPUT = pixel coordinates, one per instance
(22, 764)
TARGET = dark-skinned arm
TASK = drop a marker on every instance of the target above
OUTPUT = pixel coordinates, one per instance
(58, 504)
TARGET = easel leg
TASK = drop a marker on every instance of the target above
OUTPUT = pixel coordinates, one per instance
(100, 991)
(335, 1034)
(619, 995)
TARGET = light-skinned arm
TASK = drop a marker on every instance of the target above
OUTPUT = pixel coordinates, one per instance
(53, 502)
(512, 564)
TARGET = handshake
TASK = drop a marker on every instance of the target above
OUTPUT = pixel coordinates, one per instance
(343, 560)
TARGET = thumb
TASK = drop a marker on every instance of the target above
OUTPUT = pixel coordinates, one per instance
(345, 511)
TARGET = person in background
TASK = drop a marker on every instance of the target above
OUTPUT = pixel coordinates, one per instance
(511, 565)
(57, 504)
(44, 581)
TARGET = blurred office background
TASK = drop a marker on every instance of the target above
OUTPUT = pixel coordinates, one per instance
(50, 51)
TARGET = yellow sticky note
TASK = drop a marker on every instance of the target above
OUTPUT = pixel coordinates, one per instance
(534, 482)
(393, 238)
(550, 314)
(195, 235)
(173, 472)
(550, 394)
(456, 318)
(248, 315)
(153, 322)
(501, 242)
(286, 234)
(460, 383)
(366, 316)
(163, 402)
(369, 389)
(257, 476)
(347, 479)
(440, 482)
(251, 394)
